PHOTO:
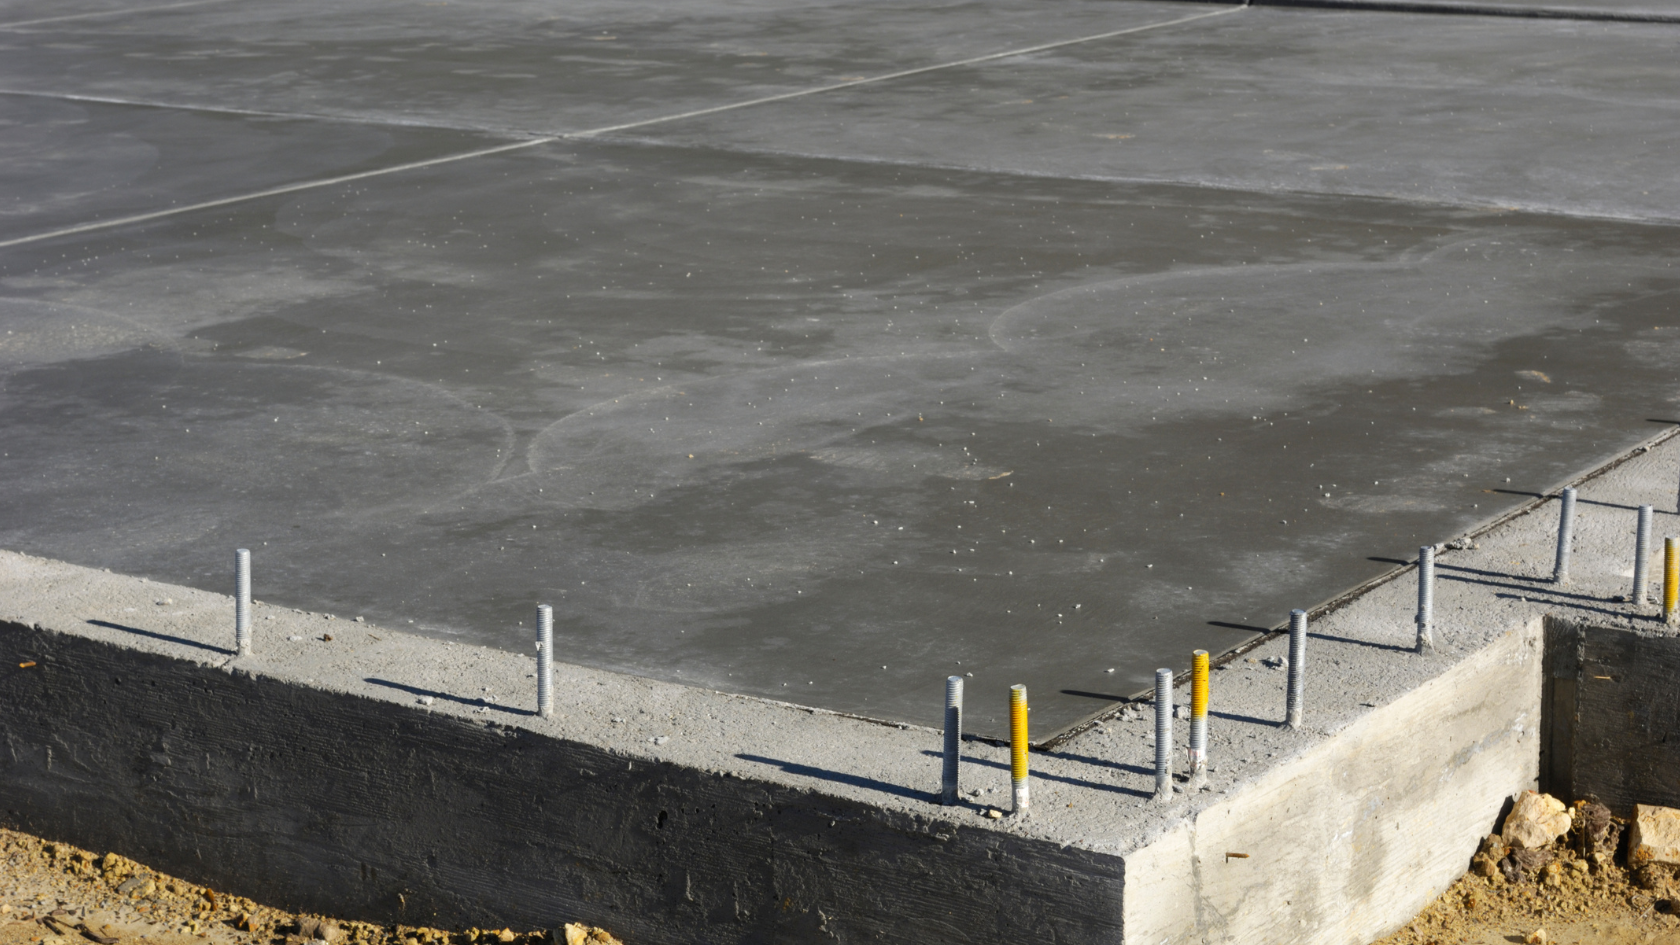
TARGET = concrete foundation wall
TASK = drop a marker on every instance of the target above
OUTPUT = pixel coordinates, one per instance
(1614, 715)
(1408, 790)
(332, 802)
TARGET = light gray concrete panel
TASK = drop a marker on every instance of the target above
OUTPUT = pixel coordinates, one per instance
(1490, 112)
(522, 67)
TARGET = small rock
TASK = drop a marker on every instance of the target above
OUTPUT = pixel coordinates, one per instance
(133, 883)
(1536, 820)
(295, 638)
(425, 700)
(1520, 863)
(660, 739)
(1182, 712)
(506, 935)
(319, 930)
(579, 934)
(1655, 837)
(1653, 877)
(1484, 866)
(1538, 937)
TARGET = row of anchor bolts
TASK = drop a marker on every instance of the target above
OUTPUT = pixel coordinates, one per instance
(1018, 710)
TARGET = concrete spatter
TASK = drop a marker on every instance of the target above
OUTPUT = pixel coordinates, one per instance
(581, 320)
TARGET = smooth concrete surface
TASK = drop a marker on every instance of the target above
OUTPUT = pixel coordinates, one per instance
(1561, 117)
(381, 771)
(823, 399)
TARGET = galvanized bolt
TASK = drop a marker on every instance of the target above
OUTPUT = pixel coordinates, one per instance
(1297, 667)
(1566, 537)
(1018, 748)
(1198, 718)
(1426, 599)
(242, 601)
(953, 740)
(545, 661)
(1642, 557)
(1163, 735)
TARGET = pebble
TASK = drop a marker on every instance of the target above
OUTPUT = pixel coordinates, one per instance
(660, 739)
(425, 700)
(994, 813)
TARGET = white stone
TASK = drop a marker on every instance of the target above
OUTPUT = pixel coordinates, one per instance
(1535, 821)
(1655, 836)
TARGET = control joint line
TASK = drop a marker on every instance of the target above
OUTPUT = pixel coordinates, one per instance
(98, 13)
(590, 132)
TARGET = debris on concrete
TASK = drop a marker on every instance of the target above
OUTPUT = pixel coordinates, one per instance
(1655, 835)
(1536, 820)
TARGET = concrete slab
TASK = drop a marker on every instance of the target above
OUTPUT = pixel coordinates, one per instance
(938, 423)
(1353, 820)
(1553, 116)
(526, 68)
(69, 163)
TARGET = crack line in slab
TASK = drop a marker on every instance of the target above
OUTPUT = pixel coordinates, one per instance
(98, 13)
(591, 132)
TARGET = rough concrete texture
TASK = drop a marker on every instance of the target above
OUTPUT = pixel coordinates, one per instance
(380, 771)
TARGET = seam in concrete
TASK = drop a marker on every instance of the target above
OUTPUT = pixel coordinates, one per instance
(1456, 8)
(1476, 9)
(373, 121)
(125, 11)
(592, 132)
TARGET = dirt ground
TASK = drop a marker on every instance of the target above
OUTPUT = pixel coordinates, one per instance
(56, 894)
(1578, 891)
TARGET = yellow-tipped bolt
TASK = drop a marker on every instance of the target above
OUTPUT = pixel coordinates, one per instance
(1018, 746)
(1198, 717)
(1671, 579)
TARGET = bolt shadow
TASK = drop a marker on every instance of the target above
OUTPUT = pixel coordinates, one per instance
(1370, 643)
(1610, 505)
(1249, 719)
(162, 636)
(1227, 625)
(1064, 779)
(1537, 589)
(1582, 607)
(840, 777)
(459, 700)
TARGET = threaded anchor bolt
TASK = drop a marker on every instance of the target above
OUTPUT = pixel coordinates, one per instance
(1426, 599)
(242, 601)
(1671, 581)
(1018, 747)
(1297, 668)
(545, 661)
(1163, 735)
(953, 740)
(1642, 557)
(1566, 537)
(1198, 718)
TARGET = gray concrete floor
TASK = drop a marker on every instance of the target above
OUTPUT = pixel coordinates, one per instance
(1036, 367)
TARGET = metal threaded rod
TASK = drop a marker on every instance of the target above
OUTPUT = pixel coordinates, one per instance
(1163, 735)
(242, 601)
(1642, 557)
(545, 661)
(1566, 537)
(1426, 599)
(1018, 747)
(953, 740)
(1198, 718)
(1297, 667)
(1671, 580)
